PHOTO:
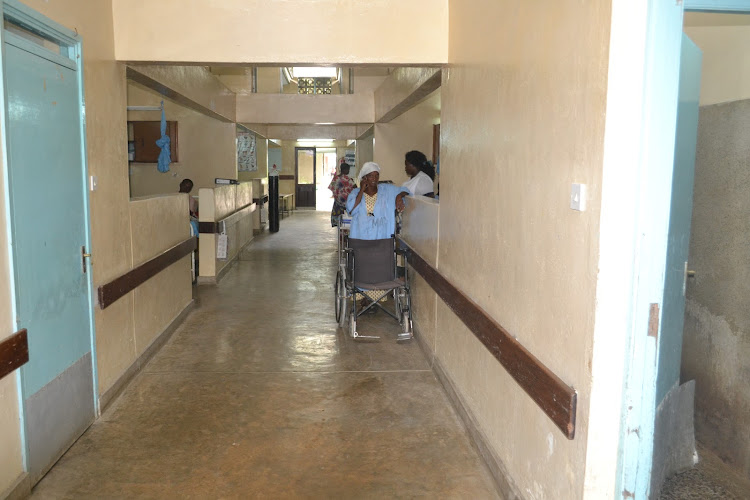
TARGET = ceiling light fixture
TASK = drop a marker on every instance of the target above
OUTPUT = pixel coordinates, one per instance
(314, 72)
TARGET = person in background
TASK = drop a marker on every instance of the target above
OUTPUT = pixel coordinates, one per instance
(185, 187)
(341, 185)
(421, 173)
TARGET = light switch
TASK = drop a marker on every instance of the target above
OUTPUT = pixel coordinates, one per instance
(578, 197)
(92, 183)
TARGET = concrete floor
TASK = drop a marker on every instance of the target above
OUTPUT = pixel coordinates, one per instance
(259, 395)
(711, 479)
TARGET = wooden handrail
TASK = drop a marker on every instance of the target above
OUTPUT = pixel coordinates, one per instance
(112, 291)
(14, 352)
(557, 399)
(215, 227)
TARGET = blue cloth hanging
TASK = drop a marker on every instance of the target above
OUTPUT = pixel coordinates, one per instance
(165, 157)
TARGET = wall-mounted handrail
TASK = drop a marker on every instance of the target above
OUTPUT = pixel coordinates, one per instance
(233, 218)
(112, 291)
(556, 398)
(14, 352)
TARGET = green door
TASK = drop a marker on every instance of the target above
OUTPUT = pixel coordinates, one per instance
(49, 230)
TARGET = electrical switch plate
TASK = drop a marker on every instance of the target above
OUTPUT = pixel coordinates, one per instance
(92, 182)
(578, 197)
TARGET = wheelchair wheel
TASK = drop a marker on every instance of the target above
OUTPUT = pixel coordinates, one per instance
(339, 298)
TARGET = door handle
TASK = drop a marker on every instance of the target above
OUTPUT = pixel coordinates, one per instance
(84, 256)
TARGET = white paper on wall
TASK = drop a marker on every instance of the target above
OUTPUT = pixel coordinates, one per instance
(222, 243)
(246, 155)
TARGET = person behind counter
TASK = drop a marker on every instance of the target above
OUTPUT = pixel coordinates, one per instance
(185, 187)
(421, 173)
(372, 205)
(341, 185)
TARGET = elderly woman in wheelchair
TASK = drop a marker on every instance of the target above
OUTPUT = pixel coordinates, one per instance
(368, 259)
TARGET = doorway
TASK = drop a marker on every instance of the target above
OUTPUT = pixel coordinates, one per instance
(49, 231)
(325, 159)
(305, 176)
(716, 343)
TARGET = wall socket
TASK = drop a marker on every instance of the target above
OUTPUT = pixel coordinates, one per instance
(92, 183)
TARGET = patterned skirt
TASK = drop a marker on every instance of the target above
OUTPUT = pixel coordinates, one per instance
(338, 209)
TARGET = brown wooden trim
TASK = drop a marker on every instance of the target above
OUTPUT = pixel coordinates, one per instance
(239, 214)
(14, 352)
(556, 398)
(118, 287)
(286, 177)
(215, 227)
(208, 227)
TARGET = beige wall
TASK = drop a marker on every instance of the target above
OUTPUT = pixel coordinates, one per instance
(247, 31)
(218, 203)
(159, 223)
(726, 67)
(421, 232)
(194, 86)
(403, 88)
(206, 147)
(509, 156)
(412, 130)
(296, 108)
(365, 151)
(294, 132)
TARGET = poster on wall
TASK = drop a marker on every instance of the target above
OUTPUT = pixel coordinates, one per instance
(246, 155)
(350, 157)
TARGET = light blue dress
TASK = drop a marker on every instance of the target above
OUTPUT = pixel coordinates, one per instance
(383, 224)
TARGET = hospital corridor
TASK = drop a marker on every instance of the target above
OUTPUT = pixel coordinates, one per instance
(551, 197)
(259, 394)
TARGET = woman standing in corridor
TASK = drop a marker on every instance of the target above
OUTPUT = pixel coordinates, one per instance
(341, 185)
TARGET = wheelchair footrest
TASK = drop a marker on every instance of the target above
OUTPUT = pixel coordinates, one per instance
(404, 337)
(357, 336)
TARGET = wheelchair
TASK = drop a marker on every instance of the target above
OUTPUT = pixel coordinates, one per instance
(371, 266)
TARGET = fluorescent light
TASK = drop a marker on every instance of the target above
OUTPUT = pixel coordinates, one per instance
(313, 72)
(325, 123)
(314, 140)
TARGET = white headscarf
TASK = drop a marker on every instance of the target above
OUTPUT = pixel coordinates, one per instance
(368, 167)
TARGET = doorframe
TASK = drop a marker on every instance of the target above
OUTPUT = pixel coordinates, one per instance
(640, 128)
(296, 172)
(23, 15)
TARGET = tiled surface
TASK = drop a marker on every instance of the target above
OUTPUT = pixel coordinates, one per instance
(259, 395)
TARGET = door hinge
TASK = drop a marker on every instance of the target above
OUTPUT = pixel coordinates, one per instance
(653, 321)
